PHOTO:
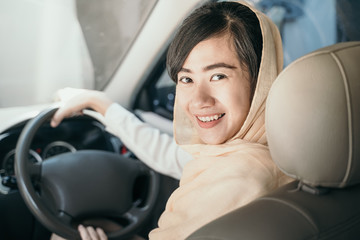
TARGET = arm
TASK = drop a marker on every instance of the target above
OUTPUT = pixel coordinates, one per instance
(156, 149)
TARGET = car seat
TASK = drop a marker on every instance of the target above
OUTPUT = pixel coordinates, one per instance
(313, 129)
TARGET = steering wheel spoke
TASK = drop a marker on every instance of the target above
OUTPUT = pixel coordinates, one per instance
(135, 212)
(65, 218)
(35, 170)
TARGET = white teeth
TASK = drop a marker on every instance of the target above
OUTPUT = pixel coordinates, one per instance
(210, 118)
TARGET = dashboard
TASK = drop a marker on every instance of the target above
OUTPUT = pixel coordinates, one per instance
(73, 134)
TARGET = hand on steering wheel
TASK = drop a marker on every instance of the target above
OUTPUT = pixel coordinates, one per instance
(89, 233)
(74, 100)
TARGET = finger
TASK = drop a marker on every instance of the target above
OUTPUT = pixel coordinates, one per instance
(72, 101)
(67, 110)
(93, 233)
(59, 115)
(83, 233)
(101, 234)
(56, 119)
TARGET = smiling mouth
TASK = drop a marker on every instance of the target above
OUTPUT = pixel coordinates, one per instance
(210, 118)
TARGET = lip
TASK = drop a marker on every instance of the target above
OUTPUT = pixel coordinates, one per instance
(211, 123)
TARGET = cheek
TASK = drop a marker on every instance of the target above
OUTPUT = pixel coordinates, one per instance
(230, 98)
(238, 105)
(182, 99)
(241, 113)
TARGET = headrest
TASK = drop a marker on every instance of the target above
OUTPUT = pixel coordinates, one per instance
(313, 117)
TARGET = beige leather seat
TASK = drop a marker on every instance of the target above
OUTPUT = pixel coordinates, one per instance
(313, 127)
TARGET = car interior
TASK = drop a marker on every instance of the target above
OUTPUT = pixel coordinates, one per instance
(312, 122)
(317, 143)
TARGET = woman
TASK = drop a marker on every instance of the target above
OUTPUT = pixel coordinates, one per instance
(223, 59)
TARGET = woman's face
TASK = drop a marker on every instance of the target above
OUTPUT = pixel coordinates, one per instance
(214, 90)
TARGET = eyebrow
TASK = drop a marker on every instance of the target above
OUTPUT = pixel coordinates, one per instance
(210, 67)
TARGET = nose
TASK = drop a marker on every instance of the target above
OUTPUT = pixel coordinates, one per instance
(202, 97)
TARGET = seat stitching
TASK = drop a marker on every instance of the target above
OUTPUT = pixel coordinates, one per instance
(350, 127)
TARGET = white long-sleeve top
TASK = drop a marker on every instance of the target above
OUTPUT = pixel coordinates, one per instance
(156, 149)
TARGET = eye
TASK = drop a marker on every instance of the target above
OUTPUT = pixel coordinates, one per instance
(217, 77)
(185, 80)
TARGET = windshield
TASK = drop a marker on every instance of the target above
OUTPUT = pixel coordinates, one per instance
(51, 44)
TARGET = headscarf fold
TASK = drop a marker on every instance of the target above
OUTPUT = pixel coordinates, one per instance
(223, 177)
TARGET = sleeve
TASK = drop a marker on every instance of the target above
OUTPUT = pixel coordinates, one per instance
(156, 149)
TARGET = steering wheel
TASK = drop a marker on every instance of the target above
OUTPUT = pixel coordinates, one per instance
(67, 189)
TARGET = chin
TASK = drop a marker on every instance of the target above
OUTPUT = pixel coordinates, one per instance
(212, 141)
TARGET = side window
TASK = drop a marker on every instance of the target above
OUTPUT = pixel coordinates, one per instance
(164, 96)
(109, 28)
(157, 95)
(154, 103)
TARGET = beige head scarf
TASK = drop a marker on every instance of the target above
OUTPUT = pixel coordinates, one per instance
(224, 177)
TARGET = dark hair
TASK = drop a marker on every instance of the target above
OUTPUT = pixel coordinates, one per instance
(213, 19)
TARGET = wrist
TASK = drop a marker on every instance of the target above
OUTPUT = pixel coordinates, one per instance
(100, 102)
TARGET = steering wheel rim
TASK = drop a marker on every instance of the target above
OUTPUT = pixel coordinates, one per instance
(24, 172)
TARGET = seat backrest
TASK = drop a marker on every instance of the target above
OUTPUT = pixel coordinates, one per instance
(313, 129)
(313, 117)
